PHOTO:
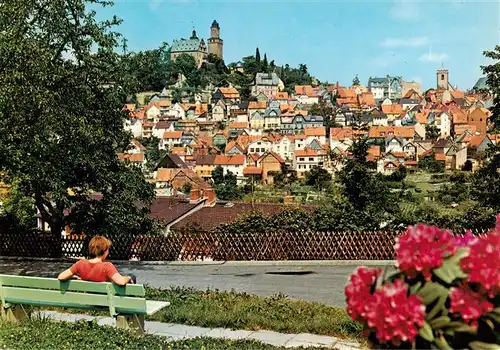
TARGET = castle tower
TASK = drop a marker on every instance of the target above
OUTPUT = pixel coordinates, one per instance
(215, 42)
(442, 79)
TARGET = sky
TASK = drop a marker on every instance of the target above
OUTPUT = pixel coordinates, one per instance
(335, 39)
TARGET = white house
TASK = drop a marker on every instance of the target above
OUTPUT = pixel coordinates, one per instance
(443, 123)
(307, 159)
(257, 120)
(272, 120)
(161, 127)
(219, 111)
(233, 163)
(170, 139)
(153, 113)
(285, 148)
(300, 142)
(134, 126)
(176, 111)
(260, 147)
(318, 133)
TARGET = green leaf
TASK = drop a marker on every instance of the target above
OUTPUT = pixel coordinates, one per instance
(442, 343)
(478, 345)
(450, 270)
(494, 316)
(431, 291)
(496, 311)
(415, 287)
(440, 322)
(426, 332)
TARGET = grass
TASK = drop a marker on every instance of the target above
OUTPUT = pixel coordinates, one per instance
(234, 310)
(44, 334)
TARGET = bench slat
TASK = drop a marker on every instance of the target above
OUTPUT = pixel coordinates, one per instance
(153, 306)
(71, 285)
(126, 305)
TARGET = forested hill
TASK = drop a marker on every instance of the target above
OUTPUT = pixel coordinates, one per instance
(152, 70)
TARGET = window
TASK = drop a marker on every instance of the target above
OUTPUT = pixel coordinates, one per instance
(442, 76)
(301, 159)
(311, 159)
(252, 150)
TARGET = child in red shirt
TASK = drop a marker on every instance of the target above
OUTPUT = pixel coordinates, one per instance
(96, 269)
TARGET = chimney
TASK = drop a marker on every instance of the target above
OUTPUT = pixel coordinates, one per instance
(195, 195)
(209, 194)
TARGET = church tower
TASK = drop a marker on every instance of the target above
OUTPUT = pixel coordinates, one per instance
(442, 79)
(215, 42)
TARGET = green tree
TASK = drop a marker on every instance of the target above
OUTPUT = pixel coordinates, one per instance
(485, 187)
(432, 132)
(356, 81)
(318, 178)
(225, 186)
(153, 153)
(327, 111)
(365, 190)
(257, 59)
(399, 174)
(60, 141)
(492, 72)
(265, 64)
(151, 69)
(455, 192)
(431, 164)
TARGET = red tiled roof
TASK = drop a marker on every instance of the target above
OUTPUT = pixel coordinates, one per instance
(132, 157)
(139, 145)
(167, 209)
(252, 170)
(272, 154)
(392, 109)
(230, 93)
(238, 125)
(306, 153)
(209, 218)
(172, 134)
(384, 131)
(237, 159)
(315, 132)
(366, 99)
(440, 156)
(257, 105)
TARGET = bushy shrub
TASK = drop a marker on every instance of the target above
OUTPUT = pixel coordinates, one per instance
(445, 294)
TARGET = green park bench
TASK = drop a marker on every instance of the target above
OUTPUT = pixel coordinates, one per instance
(126, 303)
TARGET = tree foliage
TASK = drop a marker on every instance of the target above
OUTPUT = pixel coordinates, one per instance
(364, 189)
(485, 187)
(318, 178)
(61, 91)
(493, 81)
(225, 185)
(431, 164)
(432, 132)
(356, 81)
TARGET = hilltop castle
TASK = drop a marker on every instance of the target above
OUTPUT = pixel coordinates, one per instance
(197, 48)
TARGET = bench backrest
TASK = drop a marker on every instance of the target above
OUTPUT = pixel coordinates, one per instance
(127, 299)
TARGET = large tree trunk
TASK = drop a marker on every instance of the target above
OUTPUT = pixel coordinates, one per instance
(47, 212)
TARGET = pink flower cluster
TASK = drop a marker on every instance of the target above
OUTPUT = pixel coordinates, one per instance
(389, 311)
(359, 291)
(423, 248)
(469, 304)
(482, 263)
(394, 315)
